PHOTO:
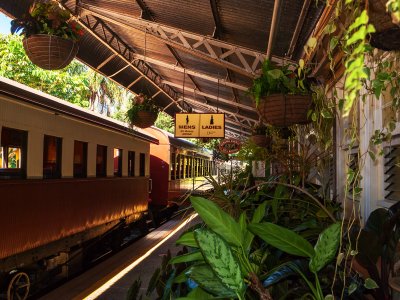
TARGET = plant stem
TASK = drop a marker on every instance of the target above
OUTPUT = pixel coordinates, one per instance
(256, 285)
(297, 188)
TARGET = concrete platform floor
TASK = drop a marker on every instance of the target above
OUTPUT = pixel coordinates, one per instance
(112, 278)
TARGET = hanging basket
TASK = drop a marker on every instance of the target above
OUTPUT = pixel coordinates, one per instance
(387, 35)
(285, 110)
(144, 119)
(261, 140)
(50, 52)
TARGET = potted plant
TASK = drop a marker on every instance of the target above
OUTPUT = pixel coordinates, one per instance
(282, 95)
(50, 34)
(259, 135)
(143, 112)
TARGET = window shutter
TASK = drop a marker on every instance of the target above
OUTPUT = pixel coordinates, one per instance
(392, 173)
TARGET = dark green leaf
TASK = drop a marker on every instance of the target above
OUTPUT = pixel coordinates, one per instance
(188, 257)
(370, 284)
(197, 294)
(218, 220)
(259, 213)
(187, 239)
(219, 256)
(283, 239)
(204, 276)
(326, 247)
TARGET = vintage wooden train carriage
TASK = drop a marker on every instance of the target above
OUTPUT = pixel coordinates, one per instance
(176, 166)
(67, 175)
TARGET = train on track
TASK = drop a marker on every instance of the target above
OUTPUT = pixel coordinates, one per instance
(75, 184)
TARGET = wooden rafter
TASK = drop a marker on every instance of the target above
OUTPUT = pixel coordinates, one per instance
(249, 61)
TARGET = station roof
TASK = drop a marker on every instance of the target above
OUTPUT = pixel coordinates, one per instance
(190, 55)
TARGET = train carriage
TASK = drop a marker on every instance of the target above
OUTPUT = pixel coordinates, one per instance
(176, 166)
(67, 176)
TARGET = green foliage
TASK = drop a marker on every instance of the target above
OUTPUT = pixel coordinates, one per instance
(187, 239)
(207, 279)
(218, 220)
(188, 257)
(325, 248)
(283, 239)
(356, 47)
(70, 84)
(221, 259)
(76, 83)
(165, 122)
(48, 17)
(282, 80)
(393, 7)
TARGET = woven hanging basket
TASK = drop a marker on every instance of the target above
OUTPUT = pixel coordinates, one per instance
(144, 119)
(285, 110)
(261, 140)
(387, 35)
(50, 52)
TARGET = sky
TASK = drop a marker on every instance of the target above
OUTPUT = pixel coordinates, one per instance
(4, 24)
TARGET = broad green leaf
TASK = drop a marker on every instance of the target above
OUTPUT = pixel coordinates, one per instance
(259, 213)
(257, 217)
(219, 256)
(218, 220)
(188, 257)
(187, 239)
(283, 239)
(329, 297)
(326, 247)
(204, 276)
(243, 222)
(197, 294)
(370, 284)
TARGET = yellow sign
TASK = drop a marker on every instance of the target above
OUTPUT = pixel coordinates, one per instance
(193, 125)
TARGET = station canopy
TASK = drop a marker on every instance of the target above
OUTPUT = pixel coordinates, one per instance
(190, 55)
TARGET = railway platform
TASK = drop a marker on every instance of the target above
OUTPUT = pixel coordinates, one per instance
(112, 278)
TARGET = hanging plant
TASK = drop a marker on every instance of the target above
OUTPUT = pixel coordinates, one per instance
(143, 112)
(282, 95)
(50, 34)
(259, 135)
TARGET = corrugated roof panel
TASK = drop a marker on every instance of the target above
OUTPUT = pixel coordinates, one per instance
(191, 15)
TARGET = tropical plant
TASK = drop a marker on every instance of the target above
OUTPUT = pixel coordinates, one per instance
(287, 79)
(227, 265)
(47, 17)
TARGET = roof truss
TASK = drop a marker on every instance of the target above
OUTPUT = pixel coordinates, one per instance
(120, 49)
(215, 51)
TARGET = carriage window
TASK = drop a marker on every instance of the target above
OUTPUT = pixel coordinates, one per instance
(101, 161)
(13, 153)
(52, 157)
(131, 163)
(142, 164)
(80, 159)
(117, 162)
